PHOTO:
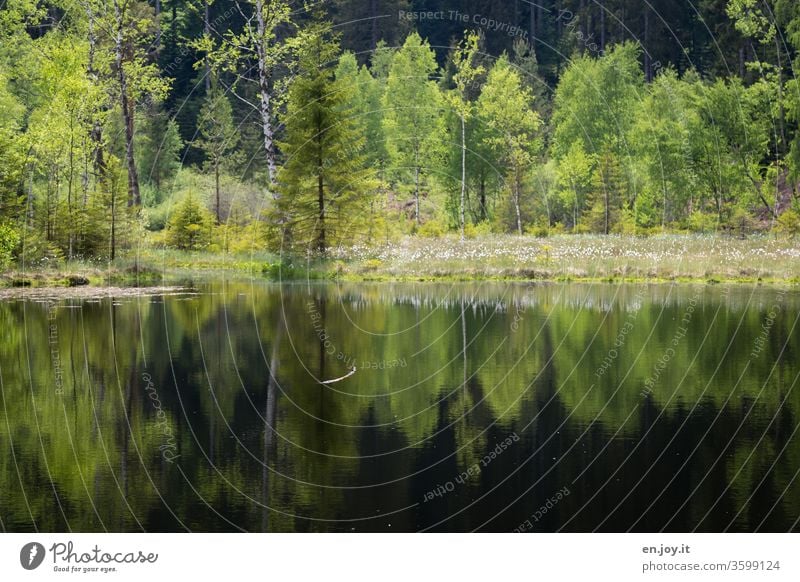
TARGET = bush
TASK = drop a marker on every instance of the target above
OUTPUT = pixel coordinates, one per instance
(702, 222)
(740, 223)
(789, 223)
(432, 229)
(476, 230)
(190, 226)
(9, 241)
(36, 250)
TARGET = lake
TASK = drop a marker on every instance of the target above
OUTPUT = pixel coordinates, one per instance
(229, 406)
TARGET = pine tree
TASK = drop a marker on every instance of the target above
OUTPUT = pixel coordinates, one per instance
(218, 136)
(189, 226)
(325, 180)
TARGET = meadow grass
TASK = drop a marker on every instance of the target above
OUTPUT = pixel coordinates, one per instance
(671, 257)
(576, 257)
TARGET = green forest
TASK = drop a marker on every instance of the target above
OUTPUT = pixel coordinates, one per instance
(301, 127)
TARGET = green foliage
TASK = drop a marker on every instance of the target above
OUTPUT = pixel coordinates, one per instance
(504, 107)
(190, 226)
(325, 181)
(593, 101)
(789, 223)
(159, 147)
(9, 241)
(413, 120)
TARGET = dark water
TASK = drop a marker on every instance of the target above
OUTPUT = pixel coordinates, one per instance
(473, 407)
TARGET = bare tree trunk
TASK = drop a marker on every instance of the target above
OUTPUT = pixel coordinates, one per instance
(96, 133)
(463, 170)
(781, 112)
(70, 176)
(113, 219)
(157, 43)
(532, 25)
(264, 76)
(216, 185)
(648, 70)
(207, 33)
(134, 197)
(373, 14)
(321, 204)
(416, 193)
(484, 213)
(602, 26)
(517, 187)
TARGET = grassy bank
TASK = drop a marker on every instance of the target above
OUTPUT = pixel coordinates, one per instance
(560, 258)
(573, 257)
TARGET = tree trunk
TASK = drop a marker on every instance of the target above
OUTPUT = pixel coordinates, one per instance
(373, 14)
(321, 206)
(264, 77)
(113, 220)
(517, 187)
(484, 213)
(781, 112)
(602, 26)
(96, 133)
(207, 33)
(216, 186)
(416, 193)
(648, 72)
(463, 170)
(157, 43)
(134, 197)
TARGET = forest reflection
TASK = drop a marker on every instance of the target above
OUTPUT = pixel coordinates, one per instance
(209, 410)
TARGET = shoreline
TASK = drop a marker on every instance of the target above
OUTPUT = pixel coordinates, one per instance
(682, 259)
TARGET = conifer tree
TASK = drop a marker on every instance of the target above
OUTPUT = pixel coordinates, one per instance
(218, 134)
(325, 179)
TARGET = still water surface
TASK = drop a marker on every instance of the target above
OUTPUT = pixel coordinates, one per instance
(489, 407)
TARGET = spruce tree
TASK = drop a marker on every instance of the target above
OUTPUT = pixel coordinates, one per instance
(325, 180)
(219, 136)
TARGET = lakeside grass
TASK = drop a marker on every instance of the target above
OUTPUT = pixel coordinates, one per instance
(578, 258)
(690, 258)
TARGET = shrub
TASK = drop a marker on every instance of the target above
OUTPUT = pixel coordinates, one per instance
(432, 229)
(702, 222)
(190, 226)
(476, 230)
(9, 241)
(789, 223)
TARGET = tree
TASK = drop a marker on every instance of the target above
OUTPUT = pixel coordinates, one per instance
(661, 136)
(467, 70)
(605, 201)
(593, 101)
(264, 44)
(130, 26)
(218, 135)
(575, 172)
(325, 179)
(413, 120)
(160, 144)
(189, 227)
(504, 107)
